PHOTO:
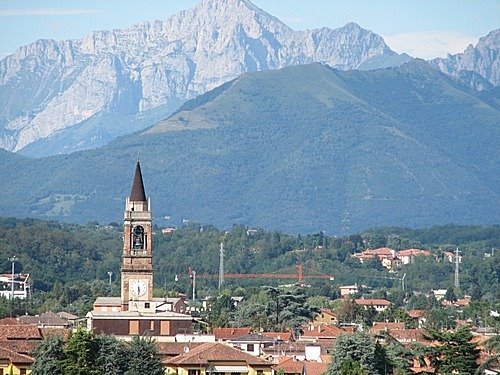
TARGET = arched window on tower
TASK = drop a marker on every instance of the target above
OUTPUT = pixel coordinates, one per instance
(138, 238)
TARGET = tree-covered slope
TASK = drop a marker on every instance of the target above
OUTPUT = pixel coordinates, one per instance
(292, 150)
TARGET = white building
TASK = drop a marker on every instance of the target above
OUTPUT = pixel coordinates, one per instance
(21, 287)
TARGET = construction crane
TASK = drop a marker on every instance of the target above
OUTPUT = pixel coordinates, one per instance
(299, 276)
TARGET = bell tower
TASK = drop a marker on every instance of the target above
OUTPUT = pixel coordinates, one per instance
(137, 267)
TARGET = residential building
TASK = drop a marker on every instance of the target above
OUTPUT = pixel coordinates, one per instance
(347, 290)
(217, 359)
(377, 303)
(21, 286)
(252, 343)
(325, 317)
(408, 256)
(225, 334)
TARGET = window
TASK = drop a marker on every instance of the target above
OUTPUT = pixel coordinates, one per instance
(23, 371)
(194, 372)
(133, 327)
(250, 348)
(260, 372)
(146, 305)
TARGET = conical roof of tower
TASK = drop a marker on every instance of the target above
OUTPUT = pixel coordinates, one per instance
(137, 194)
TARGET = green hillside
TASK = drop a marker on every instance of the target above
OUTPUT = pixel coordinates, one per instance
(290, 150)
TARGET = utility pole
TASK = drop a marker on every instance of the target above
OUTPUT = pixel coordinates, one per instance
(194, 284)
(221, 266)
(13, 260)
(457, 280)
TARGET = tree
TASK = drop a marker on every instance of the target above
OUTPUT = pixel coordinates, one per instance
(354, 349)
(112, 358)
(49, 356)
(349, 311)
(450, 295)
(456, 354)
(492, 346)
(81, 353)
(143, 357)
(221, 310)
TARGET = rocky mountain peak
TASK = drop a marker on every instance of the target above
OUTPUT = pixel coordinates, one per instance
(482, 59)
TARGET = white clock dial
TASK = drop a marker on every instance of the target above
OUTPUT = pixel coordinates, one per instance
(138, 288)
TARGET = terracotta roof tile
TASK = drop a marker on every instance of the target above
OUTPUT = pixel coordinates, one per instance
(20, 346)
(416, 313)
(14, 357)
(211, 352)
(409, 252)
(285, 336)
(323, 331)
(230, 333)
(315, 368)
(175, 348)
(19, 331)
(289, 365)
(372, 301)
(385, 326)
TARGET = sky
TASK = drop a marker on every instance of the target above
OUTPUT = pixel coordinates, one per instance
(421, 28)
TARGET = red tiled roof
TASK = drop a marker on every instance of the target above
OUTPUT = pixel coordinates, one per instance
(292, 366)
(14, 357)
(285, 336)
(409, 252)
(210, 352)
(316, 368)
(20, 346)
(289, 365)
(61, 332)
(19, 331)
(407, 335)
(379, 251)
(372, 301)
(9, 321)
(385, 326)
(416, 313)
(323, 331)
(230, 333)
(175, 348)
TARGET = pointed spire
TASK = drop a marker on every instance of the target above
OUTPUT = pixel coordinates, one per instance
(137, 194)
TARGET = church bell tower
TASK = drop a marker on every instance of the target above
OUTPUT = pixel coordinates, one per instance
(137, 267)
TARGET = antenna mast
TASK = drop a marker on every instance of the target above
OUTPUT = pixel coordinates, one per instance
(345, 224)
(221, 266)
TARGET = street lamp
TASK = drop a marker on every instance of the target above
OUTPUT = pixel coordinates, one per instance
(110, 274)
(13, 260)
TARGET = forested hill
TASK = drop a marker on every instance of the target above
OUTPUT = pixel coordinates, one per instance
(292, 150)
(69, 255)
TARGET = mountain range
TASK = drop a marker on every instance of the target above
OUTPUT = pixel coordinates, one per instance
(60, 97)
(296, 149)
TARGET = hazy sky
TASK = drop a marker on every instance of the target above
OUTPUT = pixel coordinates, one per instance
(421, 28)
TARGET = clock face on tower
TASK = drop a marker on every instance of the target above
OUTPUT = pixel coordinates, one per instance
(138, 288)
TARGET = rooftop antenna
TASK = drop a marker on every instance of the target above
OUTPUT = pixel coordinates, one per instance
(221, 265)
(457, 279)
